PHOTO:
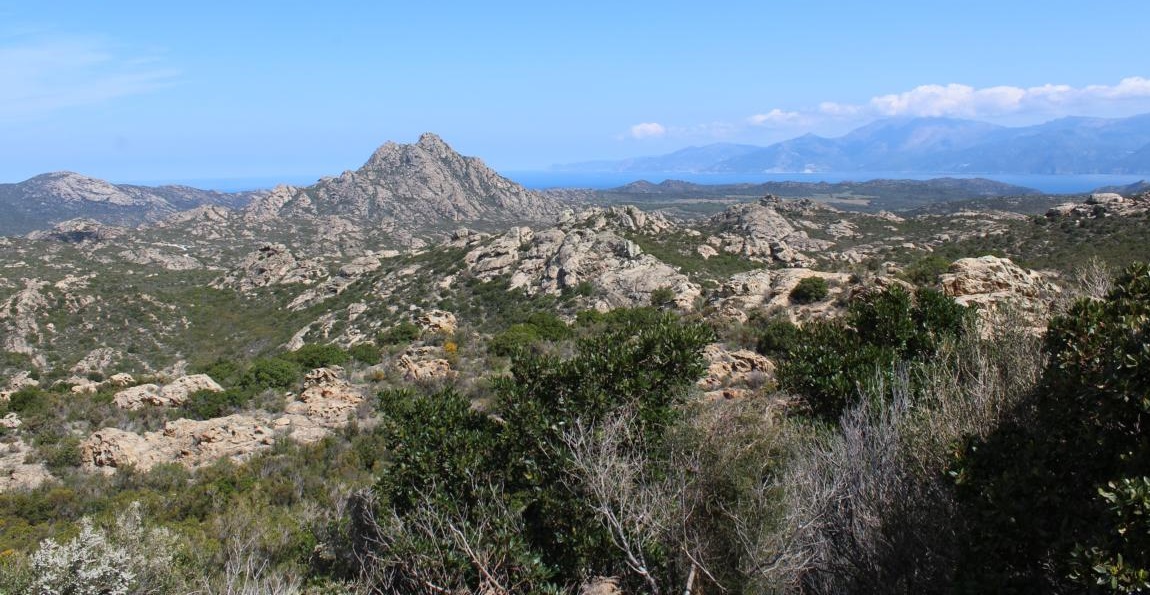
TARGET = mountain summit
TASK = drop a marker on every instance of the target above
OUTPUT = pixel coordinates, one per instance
(420, 185)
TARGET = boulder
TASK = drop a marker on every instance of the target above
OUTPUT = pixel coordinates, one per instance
(177, 392)
(192, 443)
(172, 394)
(438, 321)
(15, 472)
(995, 285)
(137, 397)
(424, 363)
(740, 367)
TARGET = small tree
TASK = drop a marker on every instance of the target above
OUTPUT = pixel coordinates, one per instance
(809, 290)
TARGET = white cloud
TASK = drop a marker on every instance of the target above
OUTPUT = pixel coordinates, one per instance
(776, 116)
(967, 102)
(648, 130)
(1004, 103)
(45, 74)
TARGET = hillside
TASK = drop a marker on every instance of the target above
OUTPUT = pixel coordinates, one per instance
(418, 372)
(47, 199)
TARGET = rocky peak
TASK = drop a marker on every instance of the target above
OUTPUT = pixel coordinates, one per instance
(413, 187)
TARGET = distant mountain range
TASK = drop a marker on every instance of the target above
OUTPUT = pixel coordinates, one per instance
(50, 198)
(403, 189)
(924, 145)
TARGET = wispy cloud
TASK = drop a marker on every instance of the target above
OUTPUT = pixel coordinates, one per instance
(40, 75)
(776, 116)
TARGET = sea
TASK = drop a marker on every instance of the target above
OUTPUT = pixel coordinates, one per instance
(539, 180)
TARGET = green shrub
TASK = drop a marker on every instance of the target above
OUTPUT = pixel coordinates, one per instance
(366, 353)
(832, 363)
(1059, 490)
(310, 357)
(517, 337)
(504, 478)
(224, 371)
(206, 404)
(927, 270)
(809, 290)
(549, 326)
(29, 400)
(663, 297)
(404, 332)
(777, 337)
(64, 454)
(271, 373)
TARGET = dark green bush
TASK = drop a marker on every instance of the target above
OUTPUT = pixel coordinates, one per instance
(271, 373)
(832, 363)
(1059, 490)
(809, 290)
(366, 353)
(517, 337)
(404, 332)
(777, 337)
(29, 400)
(663, 297)
(511, 469)
(206, 404)
(927, 270)
(224, 371)
(310, 357)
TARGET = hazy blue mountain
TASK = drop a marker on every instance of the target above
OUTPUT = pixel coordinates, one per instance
(934, 145)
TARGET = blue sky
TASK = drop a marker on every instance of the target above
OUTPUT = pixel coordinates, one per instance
(152, 91)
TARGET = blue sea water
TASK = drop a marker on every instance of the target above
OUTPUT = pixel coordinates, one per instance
(1051, 184)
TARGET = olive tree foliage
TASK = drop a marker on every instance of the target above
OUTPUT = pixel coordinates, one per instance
(126, 558)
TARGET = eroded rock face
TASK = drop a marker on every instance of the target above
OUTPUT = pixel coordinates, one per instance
(438, 321)
(18, 318)
(15, 473)
(990, 283)
(326, 403)
(168, 257)
(759, 232)
(189, 442)
(424, 363)
(77, 231)
(272, 264)
(1101, 204)
(173, 394)
(584, 248)
(741, 367)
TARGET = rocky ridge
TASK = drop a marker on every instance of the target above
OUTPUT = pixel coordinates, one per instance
(419, 186)
(327, 402)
